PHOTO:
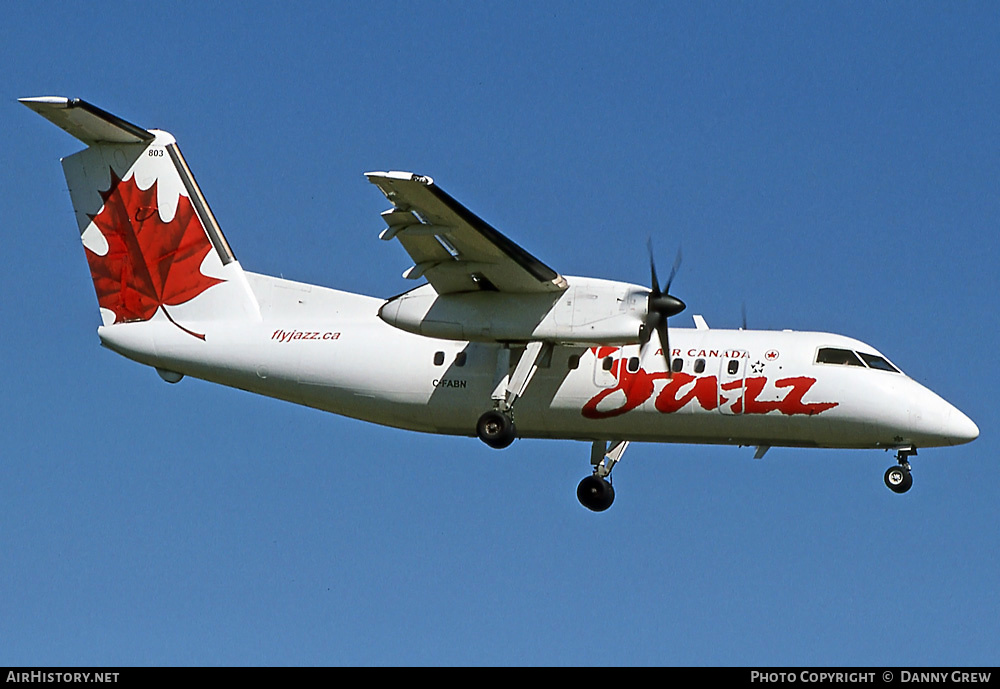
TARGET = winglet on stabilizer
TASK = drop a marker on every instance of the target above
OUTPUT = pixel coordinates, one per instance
(86, 122)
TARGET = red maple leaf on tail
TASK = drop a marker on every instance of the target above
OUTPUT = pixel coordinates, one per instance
(150, 263)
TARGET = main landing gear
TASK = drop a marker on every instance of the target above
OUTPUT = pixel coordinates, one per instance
(898, 478)
(595, 492)
(496, 427)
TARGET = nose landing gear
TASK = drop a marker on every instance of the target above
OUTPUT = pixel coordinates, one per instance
(898, 478)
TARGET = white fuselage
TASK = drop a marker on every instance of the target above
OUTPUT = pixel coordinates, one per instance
(330, 350)
(495, 344)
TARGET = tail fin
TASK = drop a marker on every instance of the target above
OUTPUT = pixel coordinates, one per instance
(151, 240)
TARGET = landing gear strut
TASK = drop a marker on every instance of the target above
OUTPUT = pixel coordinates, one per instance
(898, 478)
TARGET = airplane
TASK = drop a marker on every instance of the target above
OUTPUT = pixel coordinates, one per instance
(493, 343)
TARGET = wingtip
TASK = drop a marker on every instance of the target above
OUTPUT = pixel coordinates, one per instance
(58, 101)
(398, 174)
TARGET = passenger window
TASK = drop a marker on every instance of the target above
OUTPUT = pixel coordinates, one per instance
(607, 363)
(438, 358)
(574, 362)
(841, 357)
(633, 364)
(678, 365)
(699, 365)
(460, 359)
(734, 366)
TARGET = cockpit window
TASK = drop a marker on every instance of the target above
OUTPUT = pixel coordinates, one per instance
(846, 357)
(843, 357)
(878, 363)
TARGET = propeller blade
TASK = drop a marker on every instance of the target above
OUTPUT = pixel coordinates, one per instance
(664, 334)
(652, 270)
(644, 335)
(673, 271)
(650, 343)
(659, 307)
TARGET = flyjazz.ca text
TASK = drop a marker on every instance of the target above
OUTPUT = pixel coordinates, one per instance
(293, 335)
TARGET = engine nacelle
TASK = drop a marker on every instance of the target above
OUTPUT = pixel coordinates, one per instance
(589, 311)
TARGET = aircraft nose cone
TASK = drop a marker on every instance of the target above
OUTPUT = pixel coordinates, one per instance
(961, 429)
(935, 422)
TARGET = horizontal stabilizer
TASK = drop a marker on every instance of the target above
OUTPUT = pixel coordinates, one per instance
(86, 122)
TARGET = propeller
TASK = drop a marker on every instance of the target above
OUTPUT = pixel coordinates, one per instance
(659, 307)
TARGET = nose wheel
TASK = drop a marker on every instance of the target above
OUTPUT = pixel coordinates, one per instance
(898, 478)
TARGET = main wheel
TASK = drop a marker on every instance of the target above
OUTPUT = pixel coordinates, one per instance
(496, 429)
(595, 494)
(898, 479)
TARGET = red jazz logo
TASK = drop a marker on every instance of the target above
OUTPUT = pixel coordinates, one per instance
(743, 395)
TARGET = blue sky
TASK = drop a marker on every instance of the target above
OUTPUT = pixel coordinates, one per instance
(834, 167)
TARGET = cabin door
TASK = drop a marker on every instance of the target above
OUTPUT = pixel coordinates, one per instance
(732, 371)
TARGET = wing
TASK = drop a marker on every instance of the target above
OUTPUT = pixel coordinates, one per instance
(452, 247)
